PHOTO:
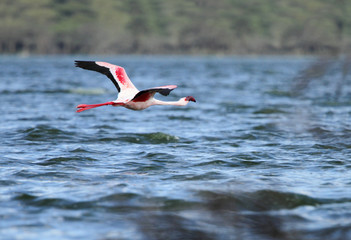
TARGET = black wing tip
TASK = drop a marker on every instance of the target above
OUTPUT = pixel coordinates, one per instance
(84, 64)
(93, 66)
(166, 91)
(162, 91)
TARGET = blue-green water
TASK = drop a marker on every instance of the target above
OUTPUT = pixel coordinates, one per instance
(252, 159)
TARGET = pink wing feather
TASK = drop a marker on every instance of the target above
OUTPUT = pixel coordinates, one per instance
(115, 73)
(119, 74)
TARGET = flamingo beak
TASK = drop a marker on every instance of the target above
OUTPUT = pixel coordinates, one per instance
(190, 98)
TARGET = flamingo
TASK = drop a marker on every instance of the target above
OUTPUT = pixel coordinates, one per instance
(129, 96)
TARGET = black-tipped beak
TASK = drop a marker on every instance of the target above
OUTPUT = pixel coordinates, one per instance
(190, 98)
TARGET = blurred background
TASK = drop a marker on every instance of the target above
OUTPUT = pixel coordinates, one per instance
(175, 27)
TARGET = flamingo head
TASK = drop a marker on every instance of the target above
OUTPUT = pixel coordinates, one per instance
(190, 98)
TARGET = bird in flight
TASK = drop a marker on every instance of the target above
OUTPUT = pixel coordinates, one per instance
(129, 96)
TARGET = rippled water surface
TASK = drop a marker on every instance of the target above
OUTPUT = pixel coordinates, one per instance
(252, 159)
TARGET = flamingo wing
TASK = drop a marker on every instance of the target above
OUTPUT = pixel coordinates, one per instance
(146, 94)
(115, 73)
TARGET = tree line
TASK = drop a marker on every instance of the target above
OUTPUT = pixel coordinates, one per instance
(175, 27)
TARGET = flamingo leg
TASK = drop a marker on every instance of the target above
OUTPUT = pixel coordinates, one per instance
(84, 107)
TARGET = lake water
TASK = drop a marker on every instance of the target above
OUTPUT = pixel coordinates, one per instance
(262, 154)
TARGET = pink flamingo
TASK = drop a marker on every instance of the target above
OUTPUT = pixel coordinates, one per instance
(129, 96)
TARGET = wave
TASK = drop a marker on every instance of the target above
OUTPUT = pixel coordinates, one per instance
(256, 201)
(159, 156)
(270, 111)
(62, 160)
(32, 200)
(181, 118)
(212, 175)
(44, 132)
(218, 163)
(241, 215)
(262, 200)
(149, 138)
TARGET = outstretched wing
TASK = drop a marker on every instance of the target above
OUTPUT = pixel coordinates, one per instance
(146, 94)
(115, 73)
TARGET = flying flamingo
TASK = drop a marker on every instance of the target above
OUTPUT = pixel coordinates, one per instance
(129, 96)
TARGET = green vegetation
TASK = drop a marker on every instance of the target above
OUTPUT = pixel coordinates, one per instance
(181, 26)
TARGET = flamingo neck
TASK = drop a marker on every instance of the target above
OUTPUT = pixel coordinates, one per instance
(180, 102)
